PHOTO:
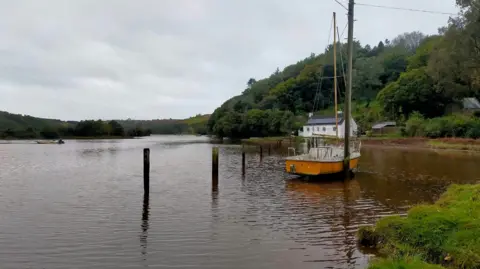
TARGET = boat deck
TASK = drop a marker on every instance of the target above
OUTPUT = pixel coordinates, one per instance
(320, 160)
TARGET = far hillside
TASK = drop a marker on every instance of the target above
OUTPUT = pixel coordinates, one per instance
(192, 125)
(28, 127)
(19, 121)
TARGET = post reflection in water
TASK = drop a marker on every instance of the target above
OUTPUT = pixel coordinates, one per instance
(215, 196)
(145, 224)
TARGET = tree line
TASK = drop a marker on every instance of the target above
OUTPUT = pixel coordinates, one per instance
(412, 74)
(28, 127)
(87, 128)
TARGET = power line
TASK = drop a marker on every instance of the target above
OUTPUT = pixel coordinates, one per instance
(338, 2)
(407, 9)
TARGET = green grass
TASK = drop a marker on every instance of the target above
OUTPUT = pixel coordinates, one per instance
(455, 146)
(445, 232)
(403, 264)
(272, 140)
(384, 136)
(265, 139)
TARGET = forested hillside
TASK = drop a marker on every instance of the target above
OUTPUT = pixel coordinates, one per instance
(17, 121)
(391, 80)
(193, 125)
(24, 126)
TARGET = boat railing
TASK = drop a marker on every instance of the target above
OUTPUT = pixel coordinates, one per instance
(321, 152)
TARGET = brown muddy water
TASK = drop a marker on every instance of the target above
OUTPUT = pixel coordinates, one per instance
(81, 205)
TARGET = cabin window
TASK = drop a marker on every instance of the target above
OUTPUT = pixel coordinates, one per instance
(318, 129)
(324, 129)
(308, 129)
(334, 129)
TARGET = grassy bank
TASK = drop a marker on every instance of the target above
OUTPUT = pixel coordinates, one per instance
(419, 142)
(383, 141)
(446, 233)
(274, 140)
(464, 145)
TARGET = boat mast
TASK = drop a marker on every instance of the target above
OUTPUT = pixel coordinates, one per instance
(348, 92)
(335, 69)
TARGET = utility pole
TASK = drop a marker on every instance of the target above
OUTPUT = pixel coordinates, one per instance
(348, 93)
(335, 70)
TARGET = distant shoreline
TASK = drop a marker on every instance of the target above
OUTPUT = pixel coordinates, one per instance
(69, 138)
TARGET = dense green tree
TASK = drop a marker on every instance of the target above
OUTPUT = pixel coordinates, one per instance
(413, 91)
(366, 78)
(115, 128)
(409, 41)
(250, 82)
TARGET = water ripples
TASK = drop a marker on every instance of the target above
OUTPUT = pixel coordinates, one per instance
(81, 205)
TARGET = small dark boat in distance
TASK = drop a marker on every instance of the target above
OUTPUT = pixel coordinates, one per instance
(59, 142)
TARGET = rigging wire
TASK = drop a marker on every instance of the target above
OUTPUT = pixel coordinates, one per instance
(405, 9)
(344, 28)
(340, 3)
(320, 82)
(341, 60)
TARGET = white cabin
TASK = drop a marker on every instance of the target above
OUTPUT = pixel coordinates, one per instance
(325, 125)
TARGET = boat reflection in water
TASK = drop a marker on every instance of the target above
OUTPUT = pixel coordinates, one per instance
(331, 209)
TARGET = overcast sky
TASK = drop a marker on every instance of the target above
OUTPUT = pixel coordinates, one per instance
(83, 59)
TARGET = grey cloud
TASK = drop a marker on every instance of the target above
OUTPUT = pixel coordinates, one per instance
(76, 59)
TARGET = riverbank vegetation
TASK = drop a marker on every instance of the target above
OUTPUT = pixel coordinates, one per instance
(82, 129)
(28, 127)
(410, 78)
(446, 233)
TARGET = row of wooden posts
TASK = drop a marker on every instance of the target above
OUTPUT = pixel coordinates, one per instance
(146, 166)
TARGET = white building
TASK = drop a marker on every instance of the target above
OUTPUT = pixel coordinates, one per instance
(325, 125)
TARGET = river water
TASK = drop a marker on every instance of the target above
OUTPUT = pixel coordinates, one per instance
(81, 205)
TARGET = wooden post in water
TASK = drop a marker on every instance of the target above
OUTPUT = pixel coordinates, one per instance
(243, 161)
(348, 91)
(335, 70)
(261, 153)
(146, 171)
(214, 166)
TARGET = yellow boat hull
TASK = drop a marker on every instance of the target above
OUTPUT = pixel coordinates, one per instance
(316, 168)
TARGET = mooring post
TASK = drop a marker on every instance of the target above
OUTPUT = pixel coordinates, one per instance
(243, 160)
(214, 166)
(146, 170)
(261, 153)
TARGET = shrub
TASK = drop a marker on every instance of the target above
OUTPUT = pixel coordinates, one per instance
(437, 127)
(447, 126)
(415, 125)
(474, 130)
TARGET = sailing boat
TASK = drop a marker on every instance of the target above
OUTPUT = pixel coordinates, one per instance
(318, 157)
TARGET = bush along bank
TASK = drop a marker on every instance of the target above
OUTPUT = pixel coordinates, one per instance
(443, 235)
(456, 125)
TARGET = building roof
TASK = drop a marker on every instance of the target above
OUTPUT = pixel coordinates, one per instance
(384, 124)
(324, 120)
(471, 103)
